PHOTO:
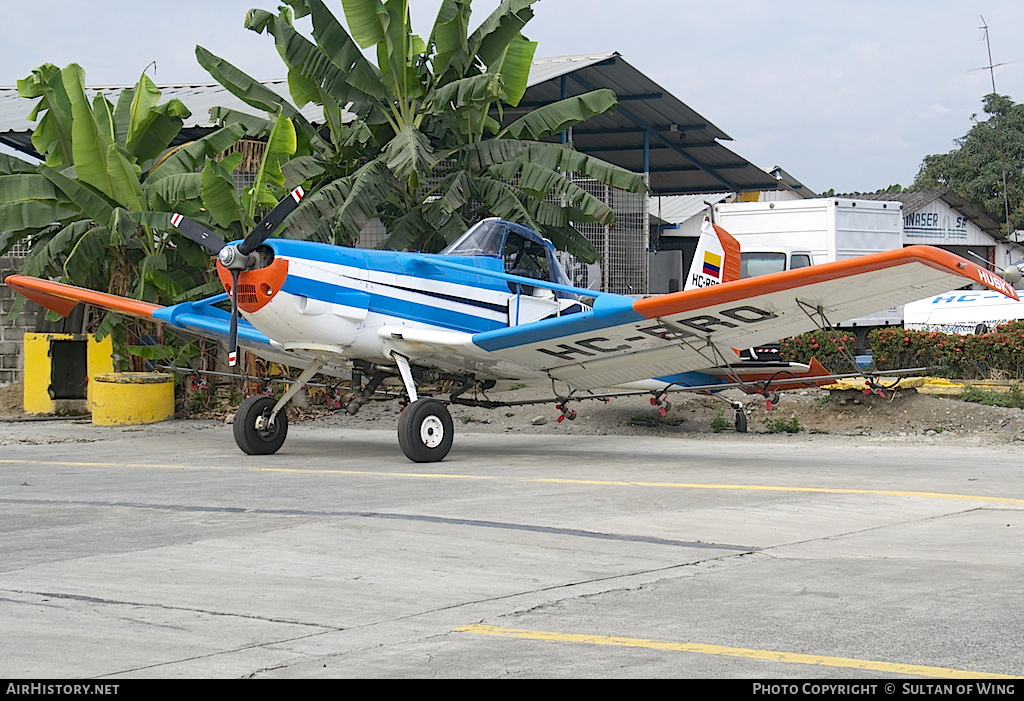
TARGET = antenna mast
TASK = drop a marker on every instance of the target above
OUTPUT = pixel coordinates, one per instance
(999, 131)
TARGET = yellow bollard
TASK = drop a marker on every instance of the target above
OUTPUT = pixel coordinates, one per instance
(128, 398)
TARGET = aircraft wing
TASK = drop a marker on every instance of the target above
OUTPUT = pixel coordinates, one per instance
(201, 317)
(624, 340)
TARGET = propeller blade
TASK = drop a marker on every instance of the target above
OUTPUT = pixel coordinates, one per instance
(270, 222)
(195, 231)
(233, 336)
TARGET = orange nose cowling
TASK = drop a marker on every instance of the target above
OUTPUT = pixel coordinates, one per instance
(256, 287)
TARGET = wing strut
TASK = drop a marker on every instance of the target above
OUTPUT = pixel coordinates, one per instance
(816, 313)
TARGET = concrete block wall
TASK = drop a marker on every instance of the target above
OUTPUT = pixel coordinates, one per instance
(11, 357)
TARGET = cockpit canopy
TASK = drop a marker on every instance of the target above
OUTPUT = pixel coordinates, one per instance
(523, 251)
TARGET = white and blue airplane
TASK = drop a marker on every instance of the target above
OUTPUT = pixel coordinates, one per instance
(497, 306)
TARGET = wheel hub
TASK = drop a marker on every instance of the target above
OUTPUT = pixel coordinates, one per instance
(263, 424)
(432, 431)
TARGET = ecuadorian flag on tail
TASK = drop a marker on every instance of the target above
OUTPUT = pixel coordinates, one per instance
(716, 258)
(712, 264)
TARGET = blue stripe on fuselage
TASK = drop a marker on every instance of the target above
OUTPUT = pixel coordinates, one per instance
(391, 306)
(400, 264)
(395, 262)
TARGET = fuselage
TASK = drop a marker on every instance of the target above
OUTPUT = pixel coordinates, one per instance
(314, 295)
(495, 304)
(318, 297)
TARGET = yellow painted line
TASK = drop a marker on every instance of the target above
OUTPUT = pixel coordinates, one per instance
(66, 463)
(747, 653)
(539, 480)
(772, 488)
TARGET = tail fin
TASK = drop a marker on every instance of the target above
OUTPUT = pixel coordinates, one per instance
(717, 258)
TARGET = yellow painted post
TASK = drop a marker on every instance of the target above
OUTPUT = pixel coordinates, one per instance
(129, 398)
(36, 396)
(100, 358)
(38, 370)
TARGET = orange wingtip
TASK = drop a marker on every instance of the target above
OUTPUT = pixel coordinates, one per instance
(62, 298)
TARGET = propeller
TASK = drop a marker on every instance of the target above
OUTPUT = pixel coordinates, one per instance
(237, 257)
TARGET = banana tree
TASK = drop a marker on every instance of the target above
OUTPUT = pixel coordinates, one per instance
(434, 157)
(97, 211)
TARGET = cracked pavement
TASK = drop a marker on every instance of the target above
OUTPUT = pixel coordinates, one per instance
(165, 552)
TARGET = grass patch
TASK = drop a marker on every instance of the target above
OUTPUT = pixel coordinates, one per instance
(1013, 398)
(720, 423)
(790, 425)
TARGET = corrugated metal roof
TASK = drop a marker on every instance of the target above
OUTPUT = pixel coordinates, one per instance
(676, 209)
(685, 155)
(544, 69)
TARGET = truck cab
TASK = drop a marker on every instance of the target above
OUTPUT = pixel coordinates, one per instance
(763, 262)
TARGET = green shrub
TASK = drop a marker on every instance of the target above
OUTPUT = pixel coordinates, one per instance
(780, 425)
(720, 423)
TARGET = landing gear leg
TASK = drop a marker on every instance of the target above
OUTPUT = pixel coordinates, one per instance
(260, 428)
(425, 429)
(740, 417)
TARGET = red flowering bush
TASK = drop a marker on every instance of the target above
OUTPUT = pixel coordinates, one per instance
(963, 357)
(829, 348)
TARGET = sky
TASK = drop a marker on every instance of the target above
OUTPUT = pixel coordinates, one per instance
(843, 95)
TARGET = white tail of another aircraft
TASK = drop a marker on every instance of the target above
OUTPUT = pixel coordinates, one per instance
(716, 260)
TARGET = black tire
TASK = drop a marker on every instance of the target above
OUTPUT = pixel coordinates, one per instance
(741, 421)
(252, 440)
(425, 431)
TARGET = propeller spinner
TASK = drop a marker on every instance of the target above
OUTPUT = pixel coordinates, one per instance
(237, 257)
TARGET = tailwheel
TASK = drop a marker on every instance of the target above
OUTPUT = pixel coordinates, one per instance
(425, 431)
(254, 433)
(741, 421)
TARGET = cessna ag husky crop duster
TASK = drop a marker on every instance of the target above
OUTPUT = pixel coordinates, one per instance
(496, 305)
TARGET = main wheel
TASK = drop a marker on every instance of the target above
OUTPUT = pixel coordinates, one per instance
(252, 434)
(425, 431)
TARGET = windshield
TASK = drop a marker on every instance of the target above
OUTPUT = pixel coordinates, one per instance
(483, 239)
(522, 250)
(754, 264)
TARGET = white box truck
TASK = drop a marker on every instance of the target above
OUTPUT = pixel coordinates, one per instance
(777, 236)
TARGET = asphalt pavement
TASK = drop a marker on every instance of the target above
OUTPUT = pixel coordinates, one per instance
(163, 551)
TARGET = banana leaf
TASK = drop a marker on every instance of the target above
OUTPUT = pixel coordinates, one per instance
(52, 135)
(513, 65)
(10, 165)
(269, 182)
(220, 195)
(409, 156)
(26, 186)
(496, 32)
(559, 116)
(190, 157)
(450, 39)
